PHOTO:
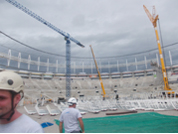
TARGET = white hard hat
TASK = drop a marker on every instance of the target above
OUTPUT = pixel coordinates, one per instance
(72, 101)
(11, 81)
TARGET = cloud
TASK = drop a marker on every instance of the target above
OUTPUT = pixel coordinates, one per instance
(112, 27)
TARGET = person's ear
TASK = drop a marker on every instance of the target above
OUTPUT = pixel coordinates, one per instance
(17, 99)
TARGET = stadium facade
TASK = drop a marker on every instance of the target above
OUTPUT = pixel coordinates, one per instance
(13, 59)
(44, 72)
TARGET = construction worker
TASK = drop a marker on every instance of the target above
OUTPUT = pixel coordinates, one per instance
(70, 118)
(11, 92)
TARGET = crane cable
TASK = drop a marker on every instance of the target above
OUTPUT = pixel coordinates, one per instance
(30, 46)
(118, 56)
(162, 45)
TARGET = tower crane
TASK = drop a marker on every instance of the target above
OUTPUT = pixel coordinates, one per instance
(101, 82)
(153, 18)
(67, 37)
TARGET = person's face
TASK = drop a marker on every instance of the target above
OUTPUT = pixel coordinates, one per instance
(5, 101)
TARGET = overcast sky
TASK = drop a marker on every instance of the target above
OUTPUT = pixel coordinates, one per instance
(112, 27)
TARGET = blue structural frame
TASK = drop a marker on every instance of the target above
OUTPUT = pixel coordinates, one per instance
(68, 68)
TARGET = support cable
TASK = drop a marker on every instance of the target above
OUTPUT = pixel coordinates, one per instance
(54, 54)
(162, 45)
(30, 46)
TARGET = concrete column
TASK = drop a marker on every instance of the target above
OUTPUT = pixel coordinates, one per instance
(56, 66)
(82, 66)
(136, 64)
(29, 61)
(126, 65)
(19, 60)
(9, 58)
(47, 67)
(145, 63)
(109, 67)
(170, 57)
(38, 63)
(117, 65)
(91, 68)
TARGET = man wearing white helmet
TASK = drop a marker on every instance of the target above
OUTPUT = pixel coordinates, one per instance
(11, 92)
(70, 118)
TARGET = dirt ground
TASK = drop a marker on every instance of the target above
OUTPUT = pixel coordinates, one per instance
(55, 129)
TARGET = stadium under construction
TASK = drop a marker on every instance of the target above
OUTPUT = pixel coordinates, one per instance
(136, 82)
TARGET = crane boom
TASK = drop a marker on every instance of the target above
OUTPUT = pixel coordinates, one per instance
(37, 17)
(148, 13)
(67, 37)
(154, 21)
(101, 82)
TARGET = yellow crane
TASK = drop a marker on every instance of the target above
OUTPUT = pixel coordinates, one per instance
(153, 18)
(101, 82)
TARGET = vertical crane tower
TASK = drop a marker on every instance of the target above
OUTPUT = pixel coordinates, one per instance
(153, 18)
(67, 37)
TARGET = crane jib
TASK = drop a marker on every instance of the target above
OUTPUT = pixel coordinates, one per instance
(27, 11)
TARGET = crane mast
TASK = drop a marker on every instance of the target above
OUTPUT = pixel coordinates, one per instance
(67, 37)
(101, 82)
(153, 18)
